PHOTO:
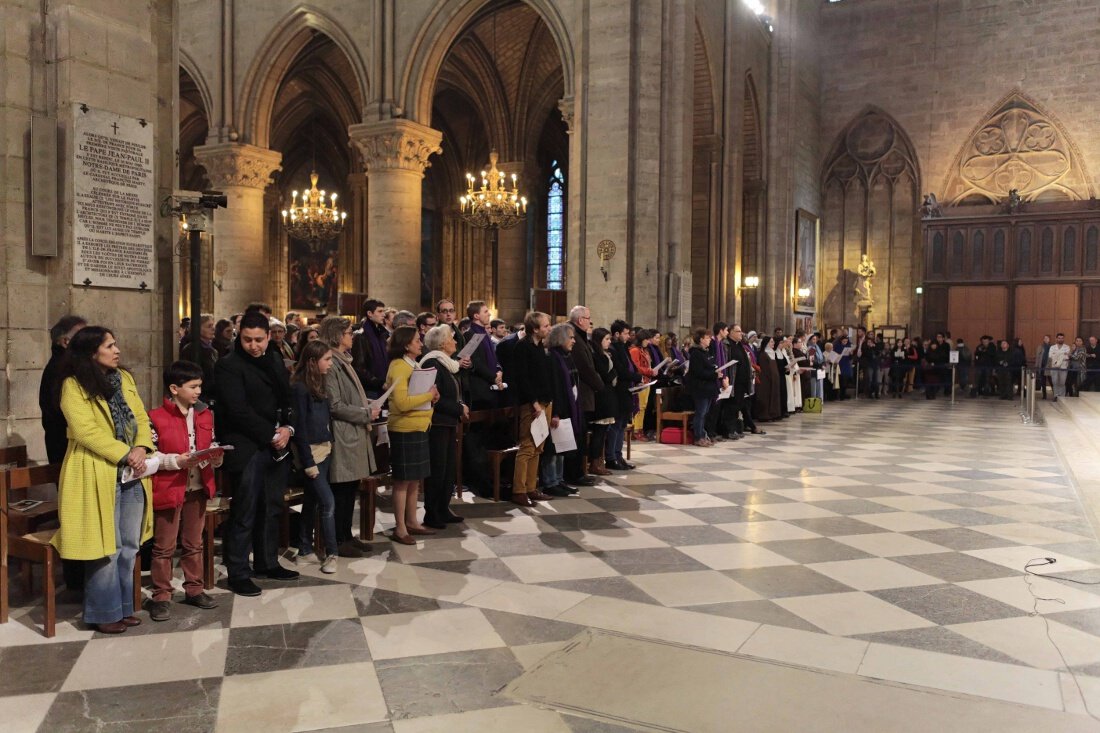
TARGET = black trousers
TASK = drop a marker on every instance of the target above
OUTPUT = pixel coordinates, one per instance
(720, 418)
(343, 499)
(254, 515)
(574, 461)
(596, 440)
(439, 486)
(742, 408)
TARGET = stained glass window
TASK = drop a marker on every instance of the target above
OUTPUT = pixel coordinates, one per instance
(555, 231)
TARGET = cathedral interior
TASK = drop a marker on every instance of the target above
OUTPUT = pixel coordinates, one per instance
(911, 167)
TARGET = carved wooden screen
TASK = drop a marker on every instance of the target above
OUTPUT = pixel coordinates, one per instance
(871, 181)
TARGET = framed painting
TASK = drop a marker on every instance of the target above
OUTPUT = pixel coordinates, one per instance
(805, 262)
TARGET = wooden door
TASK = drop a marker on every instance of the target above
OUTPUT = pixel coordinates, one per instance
(1045, 309)
(976, 310)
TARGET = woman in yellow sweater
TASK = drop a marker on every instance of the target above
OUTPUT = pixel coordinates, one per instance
(408, 423)
(103, 519)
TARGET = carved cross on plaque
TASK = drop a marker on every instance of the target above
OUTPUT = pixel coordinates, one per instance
(114, 126)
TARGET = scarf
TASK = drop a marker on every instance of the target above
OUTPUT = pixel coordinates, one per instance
(121, 414)
(344, 362)
(486, 347)
(570, 390)
(448, 363)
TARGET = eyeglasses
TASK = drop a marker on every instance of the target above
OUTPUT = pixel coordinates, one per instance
(446, 310)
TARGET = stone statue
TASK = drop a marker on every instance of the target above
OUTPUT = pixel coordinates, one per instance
(930, 208)
(866, 271)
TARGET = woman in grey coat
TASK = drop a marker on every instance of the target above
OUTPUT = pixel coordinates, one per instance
(352, 414)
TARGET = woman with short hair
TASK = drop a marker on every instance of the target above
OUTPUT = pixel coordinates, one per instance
(552, 462)
(410, 459)
(352, 415)
(702, 382)
(606, 402)
(439, 342)
(104, 518)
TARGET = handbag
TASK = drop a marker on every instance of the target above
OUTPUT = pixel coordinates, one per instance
(811, 404)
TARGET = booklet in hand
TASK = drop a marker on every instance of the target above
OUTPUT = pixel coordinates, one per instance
(471, 346)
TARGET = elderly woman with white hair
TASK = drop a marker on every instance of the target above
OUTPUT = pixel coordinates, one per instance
(552, 463)
(439, 486)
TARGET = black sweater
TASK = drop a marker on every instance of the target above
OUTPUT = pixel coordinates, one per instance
(253, 395)
(448, 409)
(530, 376)
(702, 377)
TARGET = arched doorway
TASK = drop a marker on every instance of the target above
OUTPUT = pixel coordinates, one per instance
(313, 106)
(497, 88)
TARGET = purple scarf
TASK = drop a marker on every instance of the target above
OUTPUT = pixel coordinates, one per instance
(378, 365)
(486, 347)
(567, 379)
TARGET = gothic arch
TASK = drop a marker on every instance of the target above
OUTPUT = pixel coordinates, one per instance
(272, 61)
(444, 25)
(188, 64)
(754, 199)
(703, 257)
(1020, 146)
(870, 182)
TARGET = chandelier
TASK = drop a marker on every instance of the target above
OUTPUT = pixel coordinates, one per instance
(493, 206)
(312, 219)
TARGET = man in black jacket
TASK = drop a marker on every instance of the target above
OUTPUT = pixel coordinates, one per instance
(589, 383)
(254, 416)
(742, 378)
(626, 377)
(49, 391)
(368, 349)
(484, 372)
(985, 357)
(722, 418)
(533, 381)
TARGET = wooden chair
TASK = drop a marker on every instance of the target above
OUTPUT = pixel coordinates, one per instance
(368, 492)
(496, 455)
(14, 456)
(665, 397)
(35, 546)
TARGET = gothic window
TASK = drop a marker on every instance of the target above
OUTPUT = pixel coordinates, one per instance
(555, 231)
(1092, 238)
(1023, 252)
(1046, 251)
(999, 251)
(1069, 250)
(977, 260)
(939, 253)
(958, 246)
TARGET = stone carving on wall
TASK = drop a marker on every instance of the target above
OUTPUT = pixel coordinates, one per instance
(237, 164)
(1017, 147)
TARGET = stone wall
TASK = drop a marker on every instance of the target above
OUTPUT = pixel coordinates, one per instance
(115, 56)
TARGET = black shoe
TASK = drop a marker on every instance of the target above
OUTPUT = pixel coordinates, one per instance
(628, 466)
(244, 587)
(360, 544)
(614, 465)
(453, 519)
(558, 491)
(570, 490)
(201, 600)
(277, 573)
(584, 481)
(434, 524)
(349, 549)
(160, 610)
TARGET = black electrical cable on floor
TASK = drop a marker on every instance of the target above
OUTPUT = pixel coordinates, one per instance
(1039, 562)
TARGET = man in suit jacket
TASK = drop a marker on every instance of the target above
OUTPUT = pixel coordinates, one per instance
(254, 417)
(589, 383)
(368, 348)
(484, 372)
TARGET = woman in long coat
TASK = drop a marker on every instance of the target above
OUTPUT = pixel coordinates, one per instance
(767, 393)
(352, 413)
(103, 519)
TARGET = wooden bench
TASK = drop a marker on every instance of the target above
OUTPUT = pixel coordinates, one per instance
(14, 456)
(665, 397)
(35, 546)
(496, 455)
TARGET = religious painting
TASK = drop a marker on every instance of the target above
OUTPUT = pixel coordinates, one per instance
(805, 262)
(313, 280)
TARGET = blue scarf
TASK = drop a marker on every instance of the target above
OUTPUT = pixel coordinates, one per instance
(122, 416)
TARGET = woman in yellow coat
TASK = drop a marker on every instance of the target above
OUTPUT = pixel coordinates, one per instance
(103, 520)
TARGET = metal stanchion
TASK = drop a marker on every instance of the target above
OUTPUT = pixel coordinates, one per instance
(1023, 394)
(1031, 398)
(952, 384)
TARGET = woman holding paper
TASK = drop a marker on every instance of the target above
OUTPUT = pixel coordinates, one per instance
(103, 519)
(410, 418)
(702, 382)
(449, 410)
(645, 420)
(561, 340)
(352, 413)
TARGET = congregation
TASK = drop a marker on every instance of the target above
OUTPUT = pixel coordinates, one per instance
(326, 404)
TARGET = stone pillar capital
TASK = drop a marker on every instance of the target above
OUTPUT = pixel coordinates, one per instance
(238, 164)
(396, 144)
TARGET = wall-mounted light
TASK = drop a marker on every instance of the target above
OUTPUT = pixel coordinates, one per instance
(920, 290)
(220, 269)
(751, 281)
(803, 292)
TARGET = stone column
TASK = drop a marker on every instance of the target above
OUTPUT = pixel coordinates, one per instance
(395, 155)
(513, 275)
(241, 172)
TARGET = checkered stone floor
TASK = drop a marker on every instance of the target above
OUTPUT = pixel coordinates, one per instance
(832, 542)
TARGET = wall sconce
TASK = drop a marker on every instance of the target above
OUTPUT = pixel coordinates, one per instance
(750, 282)
(220, 269)
(605, 250)
(803, 293)
(920, 290)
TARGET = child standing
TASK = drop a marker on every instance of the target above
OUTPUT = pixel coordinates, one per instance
(182, 486)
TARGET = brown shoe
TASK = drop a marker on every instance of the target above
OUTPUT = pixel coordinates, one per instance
(539, 496)
(132, 621)
(598, 469)
(406, 540)
(421, 531)
(522, 500)
(117, 627)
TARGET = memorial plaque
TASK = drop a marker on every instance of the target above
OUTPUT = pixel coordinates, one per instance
(113, 193)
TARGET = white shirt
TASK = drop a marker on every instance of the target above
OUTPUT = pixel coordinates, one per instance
(1058, 358)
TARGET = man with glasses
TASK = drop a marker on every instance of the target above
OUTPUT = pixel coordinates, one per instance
(589, 382)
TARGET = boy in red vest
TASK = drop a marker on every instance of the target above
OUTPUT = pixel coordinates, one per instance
(181, 426)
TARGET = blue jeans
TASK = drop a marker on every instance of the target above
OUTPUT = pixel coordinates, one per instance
(553, 470)
(699, 419)
(318, 491)
(109, 581)
(616, 436)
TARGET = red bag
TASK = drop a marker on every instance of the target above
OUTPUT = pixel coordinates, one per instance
(675, 436)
